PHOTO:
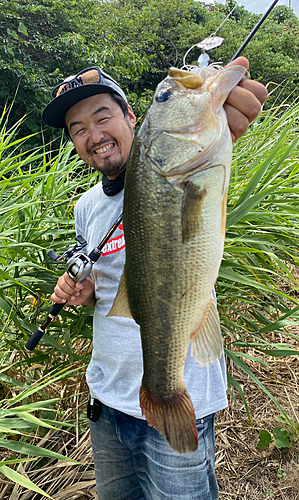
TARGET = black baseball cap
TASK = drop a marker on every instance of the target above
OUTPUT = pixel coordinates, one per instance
(88, 82)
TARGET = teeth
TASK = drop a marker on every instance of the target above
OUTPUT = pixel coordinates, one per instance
(103, 149)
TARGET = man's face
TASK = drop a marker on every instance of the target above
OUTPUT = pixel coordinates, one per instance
(101, 134)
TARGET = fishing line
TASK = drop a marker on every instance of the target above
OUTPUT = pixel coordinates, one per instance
(211, 37)
(213, 34)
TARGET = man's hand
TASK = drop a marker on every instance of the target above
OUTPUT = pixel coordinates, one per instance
(244, 102)
(68, 290)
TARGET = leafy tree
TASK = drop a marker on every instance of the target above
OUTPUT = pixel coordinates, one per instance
(155, 34)
(136, 41)
(40, 43)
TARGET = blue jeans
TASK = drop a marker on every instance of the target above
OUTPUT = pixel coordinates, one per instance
(134, 462)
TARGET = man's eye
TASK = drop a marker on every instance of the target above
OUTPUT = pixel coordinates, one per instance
(163, 96)
(79, 131)
(104, 119)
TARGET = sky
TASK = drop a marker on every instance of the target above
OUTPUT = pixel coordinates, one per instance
(261, 6)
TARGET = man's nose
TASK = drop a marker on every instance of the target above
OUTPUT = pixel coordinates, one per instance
(95, 135)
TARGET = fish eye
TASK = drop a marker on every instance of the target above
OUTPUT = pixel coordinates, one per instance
(163, 96)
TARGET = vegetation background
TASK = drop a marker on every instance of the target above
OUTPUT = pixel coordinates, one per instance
(43, 425)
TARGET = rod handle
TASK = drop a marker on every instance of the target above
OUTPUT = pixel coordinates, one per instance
(34, 339)
(56, 310)
(37, 335)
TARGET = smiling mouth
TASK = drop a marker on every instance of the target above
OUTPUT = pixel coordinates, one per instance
(103, 149)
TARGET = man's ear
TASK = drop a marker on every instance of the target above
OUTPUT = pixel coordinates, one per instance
(131, 117)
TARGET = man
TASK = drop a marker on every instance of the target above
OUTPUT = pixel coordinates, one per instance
(132, 460)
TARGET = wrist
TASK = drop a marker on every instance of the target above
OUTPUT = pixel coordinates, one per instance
(90, 301)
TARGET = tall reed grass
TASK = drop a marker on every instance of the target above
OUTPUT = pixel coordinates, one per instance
(257, 286)
(38, 190)
(256, 290)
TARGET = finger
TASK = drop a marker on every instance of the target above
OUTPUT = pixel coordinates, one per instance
(61, 297)
(65, 290)
(66, 298)
(240, 61)
(256, 88)
(65, 279)
(245, 102)
(57, 299)
(238, 122)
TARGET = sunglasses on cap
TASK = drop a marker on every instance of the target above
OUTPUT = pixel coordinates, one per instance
(86, 77)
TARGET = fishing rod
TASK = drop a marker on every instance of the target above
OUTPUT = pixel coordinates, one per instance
(252, 33)
(79, 268)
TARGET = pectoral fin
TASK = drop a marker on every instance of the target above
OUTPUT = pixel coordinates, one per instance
(191, 211)
(207, 341)
(121, 305)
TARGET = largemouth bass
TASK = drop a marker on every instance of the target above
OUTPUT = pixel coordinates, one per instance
(174, 224)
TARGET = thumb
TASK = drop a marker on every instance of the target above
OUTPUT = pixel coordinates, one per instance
(240, 61)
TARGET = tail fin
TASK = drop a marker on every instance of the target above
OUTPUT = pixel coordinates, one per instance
(172, 416)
